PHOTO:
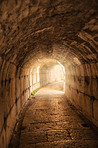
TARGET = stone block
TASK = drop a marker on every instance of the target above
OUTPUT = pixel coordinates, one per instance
(80, 100)
(95, 88)
(95, 109)
(87, 107)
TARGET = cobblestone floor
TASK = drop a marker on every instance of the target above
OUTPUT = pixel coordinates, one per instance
(51, 122)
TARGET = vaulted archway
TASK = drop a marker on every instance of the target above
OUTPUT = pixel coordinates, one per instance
(33, 32)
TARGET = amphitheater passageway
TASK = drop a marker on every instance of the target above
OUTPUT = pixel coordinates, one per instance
(45, 42)
(51, 122)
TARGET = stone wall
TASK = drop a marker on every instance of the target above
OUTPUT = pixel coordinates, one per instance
(81, 88)
(32, 32)
(14, 92)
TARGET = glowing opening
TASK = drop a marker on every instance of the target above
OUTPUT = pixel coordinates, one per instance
(52, 72)
(38, 73)
(63, 69)
(47, 72)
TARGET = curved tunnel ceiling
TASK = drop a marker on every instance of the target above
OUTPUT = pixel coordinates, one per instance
(56, 29)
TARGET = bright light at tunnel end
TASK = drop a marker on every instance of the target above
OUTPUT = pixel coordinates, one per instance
(38, 73)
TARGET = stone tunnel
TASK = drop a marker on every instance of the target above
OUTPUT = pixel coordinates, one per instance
(35, 37)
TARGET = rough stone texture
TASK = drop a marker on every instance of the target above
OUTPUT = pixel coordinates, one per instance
(83, 85)
(33, 32)
(50, 121)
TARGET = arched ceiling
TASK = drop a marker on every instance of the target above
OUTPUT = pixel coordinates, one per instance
(57, 29)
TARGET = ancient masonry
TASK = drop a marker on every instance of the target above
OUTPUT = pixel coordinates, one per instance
(41, 33)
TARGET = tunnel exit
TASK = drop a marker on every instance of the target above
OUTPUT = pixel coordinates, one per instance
(51, 72)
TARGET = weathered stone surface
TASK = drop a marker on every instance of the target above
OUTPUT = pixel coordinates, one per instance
(40, 33)
(67, 130)
(26, 26)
